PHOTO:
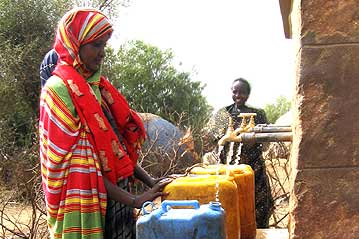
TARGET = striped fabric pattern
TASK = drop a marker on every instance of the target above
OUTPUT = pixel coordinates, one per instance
(78, 146)
(71, 173)
(79, 27)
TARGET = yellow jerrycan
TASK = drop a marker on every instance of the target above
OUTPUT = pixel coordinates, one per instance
(244, 177)
(207, 188)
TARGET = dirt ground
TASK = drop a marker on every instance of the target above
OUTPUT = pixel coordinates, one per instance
(17, 219)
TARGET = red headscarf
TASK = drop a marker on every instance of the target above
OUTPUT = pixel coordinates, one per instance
(78, 27)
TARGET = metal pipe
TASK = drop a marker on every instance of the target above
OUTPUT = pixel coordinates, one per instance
(270, 128)
(266, 137)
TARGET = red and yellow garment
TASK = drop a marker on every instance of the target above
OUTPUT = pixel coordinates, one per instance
(77, 144)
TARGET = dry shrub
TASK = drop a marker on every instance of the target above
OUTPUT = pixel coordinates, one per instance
(22, 213)
(165, 161)
(168, 149)
(278, 170)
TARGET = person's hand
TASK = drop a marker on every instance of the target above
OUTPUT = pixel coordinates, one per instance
(154, 181)
(159, 186)
(152, 193)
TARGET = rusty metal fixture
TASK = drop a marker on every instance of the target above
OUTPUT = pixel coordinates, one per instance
(249, 132)
(269, 128)
(265, 137)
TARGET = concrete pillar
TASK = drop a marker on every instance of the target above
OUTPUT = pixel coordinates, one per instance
(324, 200)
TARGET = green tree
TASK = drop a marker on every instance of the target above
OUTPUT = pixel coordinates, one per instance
(110, 7)
(274, 111)
(26, 33)
(148, 79)
(27, 29)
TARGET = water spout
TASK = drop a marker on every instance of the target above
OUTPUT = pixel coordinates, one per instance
(250, 133)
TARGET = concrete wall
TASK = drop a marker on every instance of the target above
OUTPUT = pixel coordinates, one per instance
(325, 158)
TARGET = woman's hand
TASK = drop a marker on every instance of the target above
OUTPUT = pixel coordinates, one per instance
(152, 193)
(146, 178)
(154, 181)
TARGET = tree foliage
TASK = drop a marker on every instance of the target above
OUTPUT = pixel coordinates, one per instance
(27, 29)
(110, 7)
(148, 79)
(26, 33)
(280, 107)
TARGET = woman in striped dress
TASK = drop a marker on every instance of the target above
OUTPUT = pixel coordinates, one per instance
(89, 138)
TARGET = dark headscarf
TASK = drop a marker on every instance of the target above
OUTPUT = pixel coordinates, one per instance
(48, 65)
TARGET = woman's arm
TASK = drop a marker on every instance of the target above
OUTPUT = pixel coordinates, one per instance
(120, 195)
(145, 177)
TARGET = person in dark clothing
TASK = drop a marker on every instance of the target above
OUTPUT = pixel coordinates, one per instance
(250, 154)
(48, 66)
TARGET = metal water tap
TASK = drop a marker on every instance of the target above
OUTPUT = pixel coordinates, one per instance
(233, 135)
(246, 127)
(248, 132)
(230, 135)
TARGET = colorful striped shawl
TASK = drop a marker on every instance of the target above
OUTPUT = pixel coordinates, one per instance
(116, 163)
(71, 170)
(77, 143)
(77, 28)
(71, 173)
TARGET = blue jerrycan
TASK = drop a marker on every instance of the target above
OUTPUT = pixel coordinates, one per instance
(199, 222)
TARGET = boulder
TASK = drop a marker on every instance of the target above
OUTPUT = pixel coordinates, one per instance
(167, 149)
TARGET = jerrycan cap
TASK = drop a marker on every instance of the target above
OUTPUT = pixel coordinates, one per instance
(148, 203)
(215, 205)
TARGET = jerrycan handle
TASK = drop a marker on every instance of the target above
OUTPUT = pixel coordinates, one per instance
(144, 211)
(181, 203)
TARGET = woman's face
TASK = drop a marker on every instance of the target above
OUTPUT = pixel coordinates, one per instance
(239, 93)
(93, 53)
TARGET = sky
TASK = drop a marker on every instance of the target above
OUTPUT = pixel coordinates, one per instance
(218, 41)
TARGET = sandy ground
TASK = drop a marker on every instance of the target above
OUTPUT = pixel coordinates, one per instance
(15, 217)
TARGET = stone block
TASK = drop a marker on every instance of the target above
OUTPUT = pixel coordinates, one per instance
(328, 21)
(327, 131)
(325, 204)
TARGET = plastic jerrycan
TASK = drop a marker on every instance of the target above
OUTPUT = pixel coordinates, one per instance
(244, 177)
(207, 188)
(199, 222)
